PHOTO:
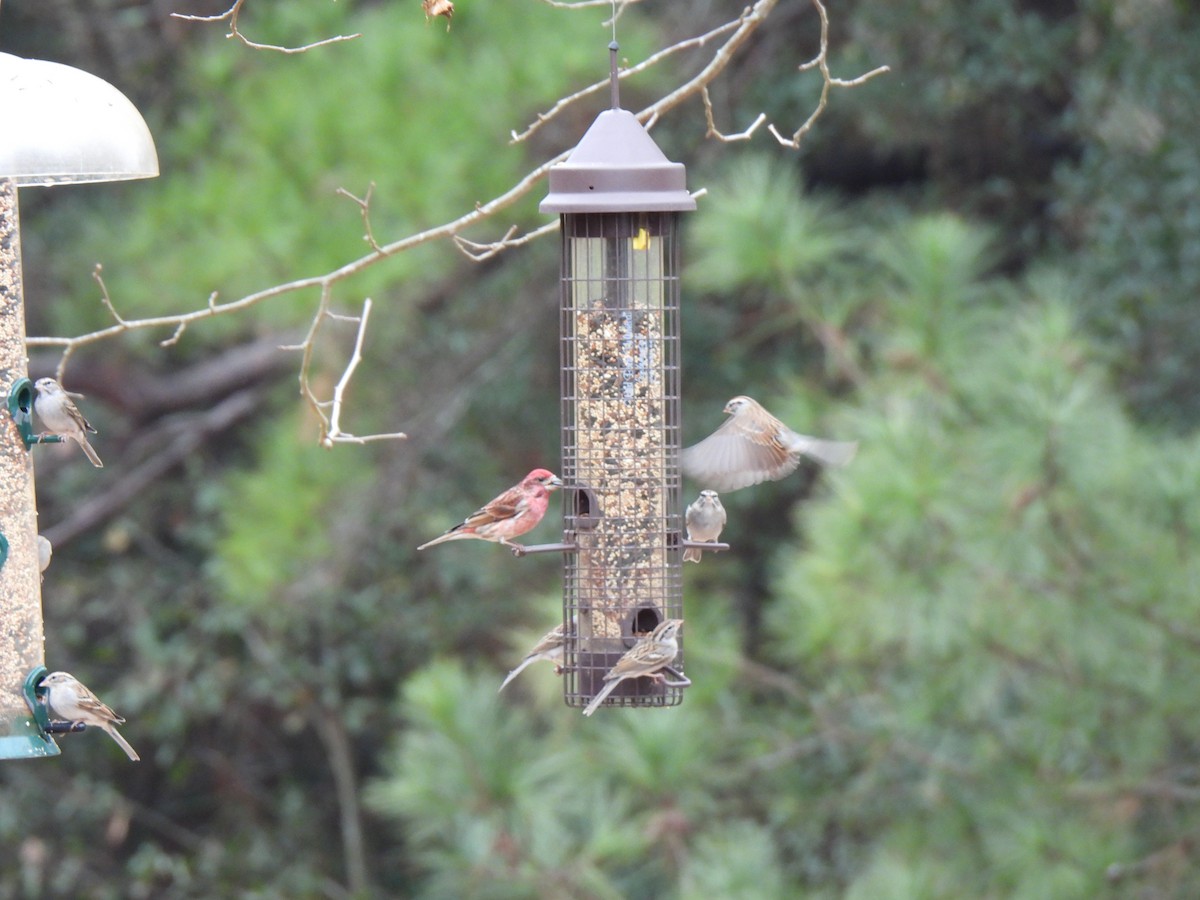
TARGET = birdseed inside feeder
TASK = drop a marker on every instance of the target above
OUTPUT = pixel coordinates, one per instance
(619, 199)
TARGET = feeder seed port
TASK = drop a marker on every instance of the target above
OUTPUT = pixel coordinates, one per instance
(20, 407)
(584, 516)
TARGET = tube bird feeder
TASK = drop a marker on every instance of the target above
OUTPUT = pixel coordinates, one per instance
(57, 125)
(619, 200)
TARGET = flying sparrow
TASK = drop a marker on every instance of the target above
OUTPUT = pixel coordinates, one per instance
(705, 517)
(549, 648)
(752, 446)
(72, 700)
(510, 515)
(655, 651)
(438, 8)
(61, 416)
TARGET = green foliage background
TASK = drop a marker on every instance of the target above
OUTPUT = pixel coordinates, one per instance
(965, 666)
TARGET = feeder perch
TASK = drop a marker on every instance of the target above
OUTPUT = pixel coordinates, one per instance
(619, 200)
(58, 125)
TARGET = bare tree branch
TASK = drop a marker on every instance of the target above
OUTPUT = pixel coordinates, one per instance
(231, 15)
(603, 85)
(745, 25)
(618, 7)
(582, 4)
(364, 207)
(480, 252)
(331, 429)
(735, 34)
(821, 62)
(712, 125)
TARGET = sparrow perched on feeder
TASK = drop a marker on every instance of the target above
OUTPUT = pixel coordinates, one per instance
(510, 515)
(549, 648)
(752, 446)
(61, 416)
(72, 700)
(655, 651)
(705, 517)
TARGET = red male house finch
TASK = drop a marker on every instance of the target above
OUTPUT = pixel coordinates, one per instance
(510, 515)
(752, 446)
(71, 699)
(61, 416)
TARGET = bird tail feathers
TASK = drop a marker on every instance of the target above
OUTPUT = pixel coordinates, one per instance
(122, 743)
(92, 455)
(831, 453)
(599, 698)
(515, 672)
(452, 535)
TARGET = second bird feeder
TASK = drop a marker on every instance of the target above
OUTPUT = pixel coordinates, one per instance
(619, 199)
(58, 125)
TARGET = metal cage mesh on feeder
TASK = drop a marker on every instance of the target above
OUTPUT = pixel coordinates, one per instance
(619, 199)
(620, 444)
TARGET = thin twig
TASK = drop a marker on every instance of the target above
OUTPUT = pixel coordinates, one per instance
(364, 208)
(821, 62)
(713, 132)
(618, 7)
(583, 4)
(104, 297)
(333, 429)
(480, 252)
(744, 26)
(648, 62)
(231, 15)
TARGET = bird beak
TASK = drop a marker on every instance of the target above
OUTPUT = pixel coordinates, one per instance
(556, 482)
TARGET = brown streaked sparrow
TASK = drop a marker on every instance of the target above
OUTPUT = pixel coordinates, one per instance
(655, 651)
(549, 648)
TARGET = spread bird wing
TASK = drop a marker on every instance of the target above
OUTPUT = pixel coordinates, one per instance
(738, 455)
(831, 453)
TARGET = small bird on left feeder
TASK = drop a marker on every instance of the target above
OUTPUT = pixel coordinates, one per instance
(58, 412)
(70, 697)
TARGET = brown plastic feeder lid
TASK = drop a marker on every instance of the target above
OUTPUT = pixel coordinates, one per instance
(617, 167)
